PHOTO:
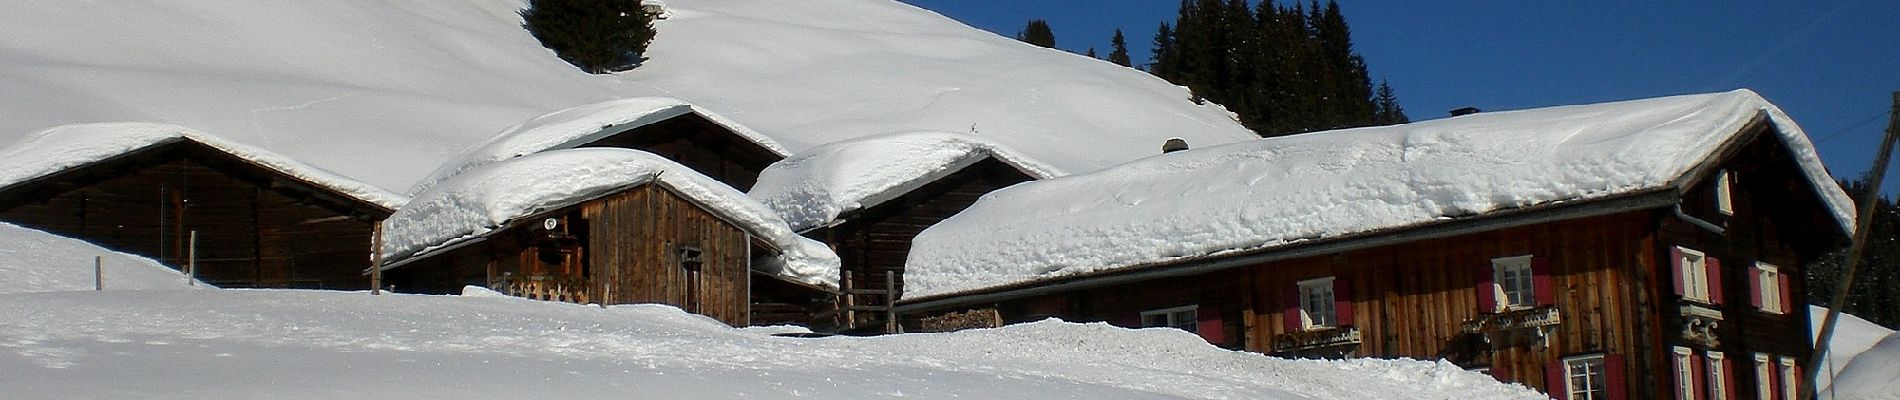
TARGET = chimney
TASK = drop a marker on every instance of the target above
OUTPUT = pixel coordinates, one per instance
(1173, 145)
(1463, 111)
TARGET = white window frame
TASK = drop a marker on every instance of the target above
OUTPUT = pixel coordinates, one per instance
(1764, 385)
(1724, 199)
(1769, 280)
(1172, 318)
(1685, 373)
(1321, 313)
(1513, 276)
(1718, 376)
(1790, 384)
(1695, 274)
(1578, 371)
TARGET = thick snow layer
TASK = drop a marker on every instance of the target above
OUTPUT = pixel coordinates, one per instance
(1873, 375)
(67, 146)
(579, 125)
(813, 187)
(1852, 336)
(34, 261)
(1266, 193)
(386, 91)
(488, 197)
(284, 344)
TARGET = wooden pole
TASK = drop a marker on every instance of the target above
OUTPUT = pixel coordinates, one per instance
(376, 261)
(1863, 224)
(98, 273)
(850, 305)
(890, 301)
(191, 261)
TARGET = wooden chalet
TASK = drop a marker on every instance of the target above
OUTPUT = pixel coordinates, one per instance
(259, 220)
(1678, 291)
(643, 241)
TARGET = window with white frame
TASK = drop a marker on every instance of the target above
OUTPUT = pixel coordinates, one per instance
(1694, 275)
(1718, 376)
(1790, 379)
(1316, 302)
(1764, 387)
(1768, 282)
(1685, 374)
(1182, 317)
(1724, 201)
(1588, 380)
(1515, 286)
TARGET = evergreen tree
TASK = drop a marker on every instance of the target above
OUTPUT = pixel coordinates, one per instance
(1875, 295)
(1385, 107)
(599, 36)
(1119, 55)
(1038, 33)
(1091, 53)
(1161, 63)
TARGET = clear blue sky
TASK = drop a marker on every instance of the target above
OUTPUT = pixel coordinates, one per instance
(1830, 65)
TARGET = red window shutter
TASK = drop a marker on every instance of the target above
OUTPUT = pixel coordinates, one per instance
(1787, 296)
(1797, 375)
(1208, 323)
(1555, 380)
(1613, 376)
(1541, 281)
(1714, 266)
(1291, 311)
(1342, 301)
(1487, 290)
(1728, 378)
(1774, 378)
(1675, 268)
(1754, 287)
(1700, 369)
(1675, 373)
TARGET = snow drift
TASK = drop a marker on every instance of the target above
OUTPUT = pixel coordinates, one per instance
(1872, 374)
(814, 187)
(1852, 336)
(1267, 193)
(33, 261)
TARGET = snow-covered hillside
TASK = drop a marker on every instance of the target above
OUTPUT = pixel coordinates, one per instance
(36, 261)
(384, 91)
(1852, 336)
(1873, 375)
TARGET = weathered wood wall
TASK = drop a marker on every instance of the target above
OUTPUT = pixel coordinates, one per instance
(635, 239)
(700, 144)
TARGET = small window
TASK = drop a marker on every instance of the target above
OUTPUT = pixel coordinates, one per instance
(1695, 275)
(1724, 201)
(1685, 374)
(689, 258)
(1178, 317)
(1768, 284)
(1790, 379)
(1764, 386)
(1718, 376)
(1316, 302)
(1516, 288)
(1588, 381)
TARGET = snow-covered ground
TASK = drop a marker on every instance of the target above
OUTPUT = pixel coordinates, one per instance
(385, 91)
(35, 261)
(1852, 336)
(1872, 375)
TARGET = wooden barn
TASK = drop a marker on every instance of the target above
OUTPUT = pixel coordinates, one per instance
(259, 219)
(1673, 286)
(638, 229)
(930, 176)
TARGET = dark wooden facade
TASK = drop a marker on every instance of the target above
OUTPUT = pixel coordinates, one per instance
(698, 143)
(255, 227)
(1606, 280)
(647, 244)
(875, 241)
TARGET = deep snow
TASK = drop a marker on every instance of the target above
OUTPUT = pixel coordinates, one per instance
(815, 186)
(1852, 336)
(36, 261)
(1271, 192)
(385, 91)
(1872, 375)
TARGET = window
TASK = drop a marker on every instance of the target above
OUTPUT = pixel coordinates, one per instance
(1764, 383)
(1724, 202)
(1767, 284)
(1588, 379)
(1178, 317)
(1515, 285)
(1718, 376)
(1685, 374)
(1693, 274)
(1316, 302)
(1790, 379)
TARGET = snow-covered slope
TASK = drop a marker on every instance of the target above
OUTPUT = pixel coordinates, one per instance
(1873, 375)
(815, 186)
(1266, 193)
(1852, 336)
(385, 91)
(35, 261)
(283, 344)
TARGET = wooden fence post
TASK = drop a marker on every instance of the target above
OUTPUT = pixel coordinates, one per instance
(191, 261)
(98, 273)
(376, 262)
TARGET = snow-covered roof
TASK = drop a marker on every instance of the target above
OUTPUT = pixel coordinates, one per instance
(815, 186)
(487, 198)
(65, 147)
(1262, 194)
(580, 125)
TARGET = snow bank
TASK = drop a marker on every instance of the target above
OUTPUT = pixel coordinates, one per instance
(1267, 193)
(1872, 375)
(579, 125)
(34, 261)
(1852, 335)
(60, 148)
(489, 197)
(386, 91)
(813, 187)
(293, 344)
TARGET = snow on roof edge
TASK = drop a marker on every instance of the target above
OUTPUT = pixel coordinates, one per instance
(815, 187)
(104, 141)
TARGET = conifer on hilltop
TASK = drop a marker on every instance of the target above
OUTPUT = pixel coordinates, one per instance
(598, 36)
(1119, 54)
(1038, 33)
